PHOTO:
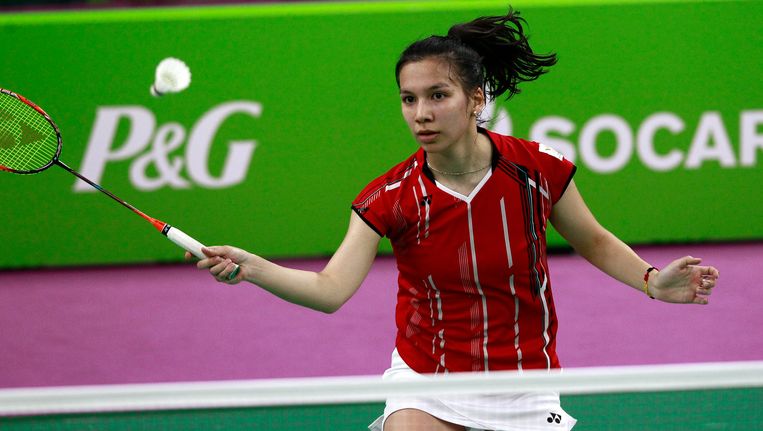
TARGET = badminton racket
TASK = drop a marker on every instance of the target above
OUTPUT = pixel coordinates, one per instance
(30, 142)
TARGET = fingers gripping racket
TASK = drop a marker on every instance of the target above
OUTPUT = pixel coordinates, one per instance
(30, 142)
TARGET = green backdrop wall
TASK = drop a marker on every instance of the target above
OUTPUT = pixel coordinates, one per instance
(293, 109)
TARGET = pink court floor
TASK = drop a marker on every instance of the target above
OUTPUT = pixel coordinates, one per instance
(169, 323)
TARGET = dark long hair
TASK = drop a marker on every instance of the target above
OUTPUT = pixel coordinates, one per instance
(490, 52)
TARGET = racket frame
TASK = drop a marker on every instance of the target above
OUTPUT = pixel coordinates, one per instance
(174, 234)
(50, 121)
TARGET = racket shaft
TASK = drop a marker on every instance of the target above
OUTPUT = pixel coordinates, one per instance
(186, 242)
(158, 224)
(175, 235)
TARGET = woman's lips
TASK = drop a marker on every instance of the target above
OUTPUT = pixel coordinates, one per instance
(427, 135)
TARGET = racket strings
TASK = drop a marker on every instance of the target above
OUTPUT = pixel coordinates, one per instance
(28, 141)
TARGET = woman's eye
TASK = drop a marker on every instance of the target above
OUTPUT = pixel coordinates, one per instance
(407, 99)
(438, 96)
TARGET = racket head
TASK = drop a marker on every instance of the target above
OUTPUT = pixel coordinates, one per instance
(30, 141)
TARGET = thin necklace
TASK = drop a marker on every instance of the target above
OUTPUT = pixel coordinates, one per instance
(457, 173)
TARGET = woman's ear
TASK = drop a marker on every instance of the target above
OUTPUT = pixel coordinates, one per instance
(478, 101)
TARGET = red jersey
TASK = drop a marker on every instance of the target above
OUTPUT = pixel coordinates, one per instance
(473, 286)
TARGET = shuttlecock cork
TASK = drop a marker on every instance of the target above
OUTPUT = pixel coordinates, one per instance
(172, 76)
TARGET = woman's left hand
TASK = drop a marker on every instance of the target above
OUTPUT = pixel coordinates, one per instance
(684, 281)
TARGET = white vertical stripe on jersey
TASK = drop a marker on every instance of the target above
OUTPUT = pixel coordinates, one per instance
(426, 207)
(506, 233)
(479, 287)
(441, 333)
(431, 308)
(463, 268)
(418, 207)
(511, 284)
(516, 323)
(437, 295)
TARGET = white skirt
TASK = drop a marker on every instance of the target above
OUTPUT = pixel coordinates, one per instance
(499, 412)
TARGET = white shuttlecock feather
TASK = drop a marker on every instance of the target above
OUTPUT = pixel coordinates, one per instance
(172, 76)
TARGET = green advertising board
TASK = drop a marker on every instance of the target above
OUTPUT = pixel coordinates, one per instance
(293, 108)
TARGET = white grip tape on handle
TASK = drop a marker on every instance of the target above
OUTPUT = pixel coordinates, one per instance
(180, 238)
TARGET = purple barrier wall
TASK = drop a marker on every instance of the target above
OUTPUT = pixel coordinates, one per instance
(174, 323)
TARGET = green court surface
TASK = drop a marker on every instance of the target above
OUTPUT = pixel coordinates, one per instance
(717, 409)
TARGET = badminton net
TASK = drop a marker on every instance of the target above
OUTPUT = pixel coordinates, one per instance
(710, 396)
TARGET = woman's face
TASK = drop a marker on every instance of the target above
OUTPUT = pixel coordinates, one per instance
(434, 105)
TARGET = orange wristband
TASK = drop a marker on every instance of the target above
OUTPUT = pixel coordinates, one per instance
(646, 281)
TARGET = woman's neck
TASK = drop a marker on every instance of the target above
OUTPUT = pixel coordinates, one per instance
(472, 155)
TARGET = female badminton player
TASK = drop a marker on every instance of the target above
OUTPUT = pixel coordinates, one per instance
(466, 215)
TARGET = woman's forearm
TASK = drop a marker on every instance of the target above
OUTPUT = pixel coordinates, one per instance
(316, 290)
(615, 258)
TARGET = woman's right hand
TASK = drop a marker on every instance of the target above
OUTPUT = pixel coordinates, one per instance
(225, 263)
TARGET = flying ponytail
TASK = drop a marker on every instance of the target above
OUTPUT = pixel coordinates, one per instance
(492, 53)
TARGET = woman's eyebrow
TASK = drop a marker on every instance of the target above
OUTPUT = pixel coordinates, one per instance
(438, 86)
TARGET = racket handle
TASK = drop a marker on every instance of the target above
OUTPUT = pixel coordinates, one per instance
(186, 242)
(194, 247)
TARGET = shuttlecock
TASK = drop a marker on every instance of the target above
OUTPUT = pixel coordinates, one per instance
(172, 76)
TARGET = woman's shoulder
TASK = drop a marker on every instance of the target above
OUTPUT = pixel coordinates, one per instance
(507, 145)
(402, 170)
(394, 177)
(521, 150)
